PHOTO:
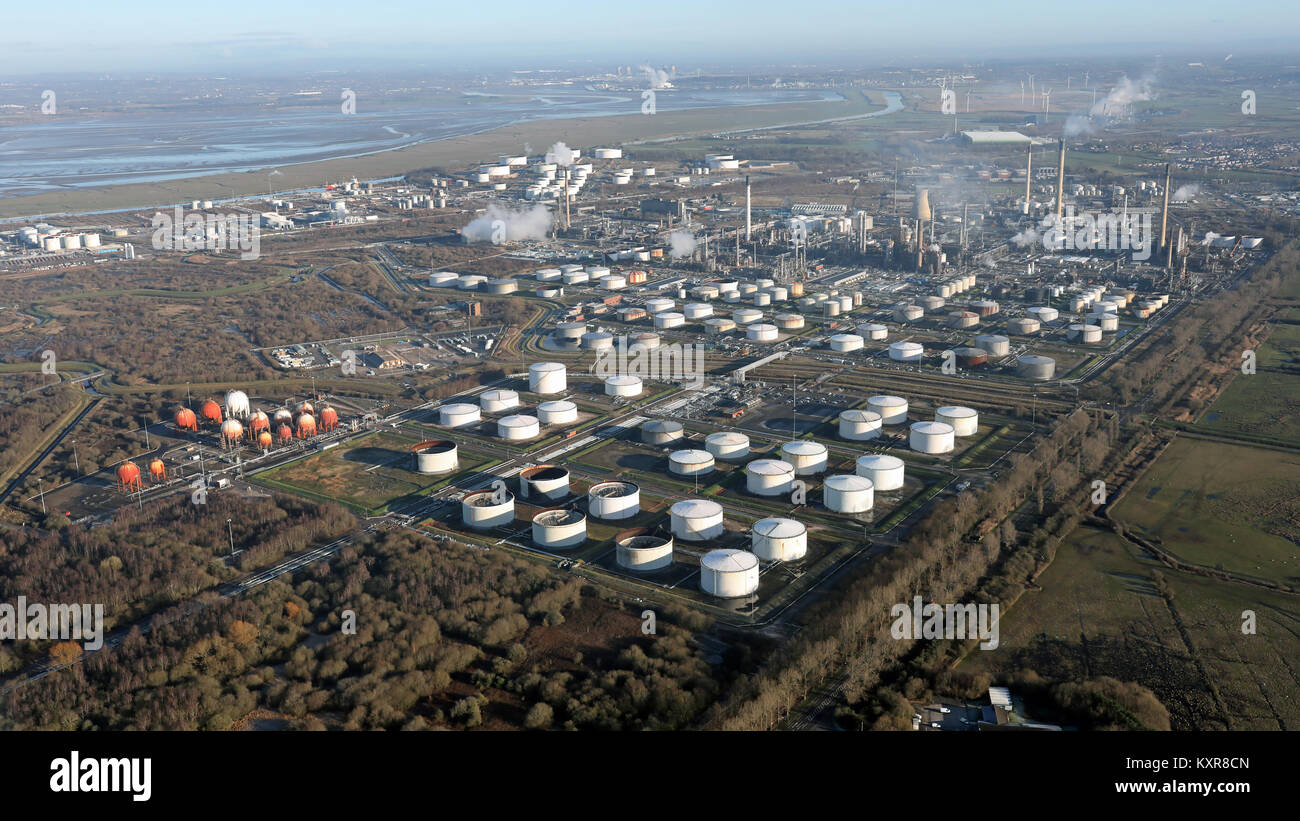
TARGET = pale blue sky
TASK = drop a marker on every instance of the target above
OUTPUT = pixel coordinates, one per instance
(236, 35)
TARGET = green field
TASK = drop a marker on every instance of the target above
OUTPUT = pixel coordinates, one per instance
(1265, 404)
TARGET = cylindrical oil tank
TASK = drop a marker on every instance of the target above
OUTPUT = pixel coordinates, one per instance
(458, 415)
(769, 477)
(761, 332)
(831, 307)
(778, 293)
(435, 456)
(647, 341)
(727, 445)
(576, 277)
(697, 310)
(705, 292)
(729, 574)
(776, 539)
(906, 351)
(1107, 322)
(747, 289)
(658, 305)
(971, 357)
(625, 386)
(908, 313)
(963, 319)
(570, 331)
(543, 483)
(613, 500)
(844, 343)
(518, 427)
(808, 458)
(859, 425)
(470, 282)
(661, 431)
(547, 377)
(984, 307)
(613, 282)
(745, 316)
(484, 509)
(690, 462)
(994, 344)
(1031, 366)
(846, 303)
(761, 299)
(547, 274)
(931, 437)
(892, 410)
(848, 493)
(444, 278)
(1043, 313)
(559, 529)
(642, 551)
(500, 286)
(547, 292)
(1088, 334)
(964, 421)
(669, 319)
(696, 520)
(1023, 326)
(597, 341)
(873, 331)
(557, 412)
(932, 303)
(884, 471)
(497, 400)
(718, 325)
(789, 322)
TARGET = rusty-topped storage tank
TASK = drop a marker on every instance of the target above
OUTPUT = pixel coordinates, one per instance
(211, 412)
(128, 477)
(329, 418)
(186, 420)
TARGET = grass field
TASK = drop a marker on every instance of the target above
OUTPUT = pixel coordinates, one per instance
(1263, 404)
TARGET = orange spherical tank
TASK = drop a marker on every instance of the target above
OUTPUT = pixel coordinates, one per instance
(231, 430)
(285, 433)
(306, 426)
(257, 423)
(211, 412)
(128, 476)
(264, 440)
(329, 418)
(306, 407)
(157, 470)
(283, 417)
(185, 419)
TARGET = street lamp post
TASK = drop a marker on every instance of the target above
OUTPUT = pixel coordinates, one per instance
(231, 531)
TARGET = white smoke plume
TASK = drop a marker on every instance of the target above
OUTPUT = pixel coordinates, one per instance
(681, 244)
(1025, 238)
(500, 224)
(560, 154)
(657, 77)
(1115, 104)
(1186, 192)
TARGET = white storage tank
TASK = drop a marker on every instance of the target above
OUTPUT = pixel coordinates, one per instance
(517, 427)
(571, 331)
(549, 483)
(1031, 366)
(547, 274)
(1107, 322)
(808, 458)
(547, 377)
(994, 344)
(884, 471)
(614, 500)
(690, 462)
(891, 409)
(697, 310)
(458, 415)
(1043, 314)
(727, 445)
(848, 493)
(497, 400)
(746, 316)
(778, 293)
(435, 456)
(729, 574)
(470, 282)
(661, 431)
(575, 277)
(1087, 334)
(789, 322)
(643, 552)
(963, 319)
(777, 539)
(696, 520)
(557, 412)
(964, 421)
(500, 286)
(1023, 326)
(931, 437)
(932, 303)
(485, 509)
(906, 351)
(845, 343)
(831, 307)
(908, 313)
(658, 306)
(613, 282)
(769, 477)
(559, 529)
(597, 341)
(669, 319)
(873, 331)
(625, 386)
(718, 325)
(761, 332)
(859, 425)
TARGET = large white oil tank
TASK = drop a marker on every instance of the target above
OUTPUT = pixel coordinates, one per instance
(500, 286)
(625, 386)
(848, 493)
(808, 458)
(559, 529)
(779, 540)
(729, 574)
(1107, 322)
(547, 274)
(484, 509)
(963, 420)
(891, 409)
(932, 303)
(497, 400)
(669, 319)
(661, 431)
(908, 313)
(658, 305)
(570, 331)
(614, 500)
(696, 520)
(873, 331)
(697, 310)
(931, 437)
(458, 415)
(746, 316)
(470, 282)
(778, 293)
(769, 477)
(831, 307)
(1023, 326)
(609, 153)
(643, 552)
(727, 445)
(71, 241)
(718, 325)
(543, 483)
(761, 332)
(1031, 366)
(547, 377)
(90, 240)
(575, 277)
(517, 427)
(788, 322)
(906, 351)
(613, 282)
(690, 462)
(859, 425)
(50, 243)
(1043, 314)
(597, 341)
(1088, 334)
(444, 278)
(994, 344)
(557, 412)
(844, 343)
(884, 471)
(435, 456)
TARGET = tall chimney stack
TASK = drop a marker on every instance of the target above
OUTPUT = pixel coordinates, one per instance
(1060, 181)
(746, 208)
(1029, 169)
(1164, 211)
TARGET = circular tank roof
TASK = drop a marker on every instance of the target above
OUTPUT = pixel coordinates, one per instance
(729, 561)
(779, 528)
(696, 508)
(769, 467)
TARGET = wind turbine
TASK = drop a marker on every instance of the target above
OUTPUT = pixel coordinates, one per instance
(1022, 92)
(1031, 85)
(1047, 104)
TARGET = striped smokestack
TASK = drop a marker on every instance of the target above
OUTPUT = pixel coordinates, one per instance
(1164, 211)
(1060, 181)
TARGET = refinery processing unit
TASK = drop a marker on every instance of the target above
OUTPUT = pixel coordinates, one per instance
(755, 386)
